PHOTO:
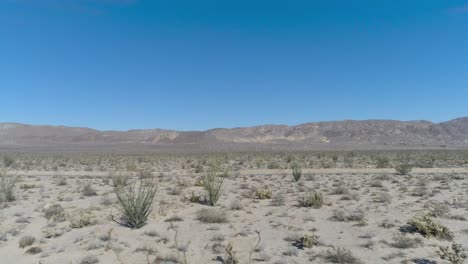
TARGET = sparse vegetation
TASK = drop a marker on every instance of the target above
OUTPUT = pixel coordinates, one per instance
(80, 224)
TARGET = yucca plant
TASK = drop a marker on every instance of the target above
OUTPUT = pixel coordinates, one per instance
(213, 184)
(136, 200)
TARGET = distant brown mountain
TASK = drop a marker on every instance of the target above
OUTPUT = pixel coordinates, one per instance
(334, 134)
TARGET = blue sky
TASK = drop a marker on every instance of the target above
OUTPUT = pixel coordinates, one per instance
(192, 65)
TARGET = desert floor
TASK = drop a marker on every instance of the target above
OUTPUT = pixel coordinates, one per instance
(365, 211)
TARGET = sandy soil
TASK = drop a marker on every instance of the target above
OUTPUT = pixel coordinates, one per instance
(259, 230)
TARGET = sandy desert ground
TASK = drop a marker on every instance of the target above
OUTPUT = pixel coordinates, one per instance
(69, 217)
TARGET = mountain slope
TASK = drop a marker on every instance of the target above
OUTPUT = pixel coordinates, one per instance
(366, 133)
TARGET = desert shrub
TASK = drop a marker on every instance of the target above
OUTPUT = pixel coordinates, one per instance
(313, 199)
(213, 184)
(348, 216)
(296, 171)
(88, 190)
(341, 188)
(404, 241)
(7, 186)
(81, 218)
(194, 198)
(307, 241)
(429, 228)
(403, 168)
(454, 254)
(211, 216)
(120, 180)
(136, 199)
(26, 241)
(383, 197)
(376, 183)
(54, 212)
(263, 194)
(341, 255)
(437, 209)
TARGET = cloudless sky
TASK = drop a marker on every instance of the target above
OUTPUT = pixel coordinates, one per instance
(200, 64)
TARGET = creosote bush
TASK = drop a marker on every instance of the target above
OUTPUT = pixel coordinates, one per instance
(213, 184)
(296, 170)
(313, 199)
(136, 200)
(428, 227)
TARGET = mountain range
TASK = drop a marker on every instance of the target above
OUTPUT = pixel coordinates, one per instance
(360, 134)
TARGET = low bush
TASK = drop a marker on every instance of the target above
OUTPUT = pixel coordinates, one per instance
(313, 199)
(428, 227)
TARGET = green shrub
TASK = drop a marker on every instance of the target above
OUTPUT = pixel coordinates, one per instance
(136, 200)
(313, 199)
(429, 228)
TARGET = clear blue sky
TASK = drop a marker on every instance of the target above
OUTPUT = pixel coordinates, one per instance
(122, 64)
